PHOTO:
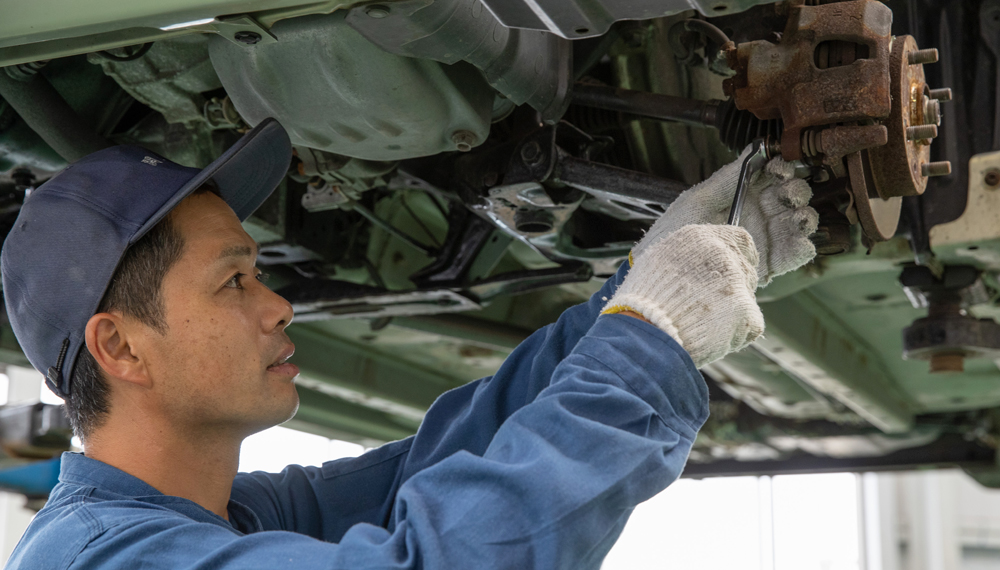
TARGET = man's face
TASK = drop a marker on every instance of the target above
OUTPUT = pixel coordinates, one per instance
(215, 367)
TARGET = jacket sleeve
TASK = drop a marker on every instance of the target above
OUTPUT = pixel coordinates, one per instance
(552, 489)
(463, 419)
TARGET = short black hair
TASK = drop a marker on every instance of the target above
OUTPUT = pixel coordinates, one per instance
(134, 291)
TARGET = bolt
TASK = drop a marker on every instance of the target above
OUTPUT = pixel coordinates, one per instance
(248, 38)
(943, 94)
(531, 152)
(377, 11)
(922, 56)
(992, 178)
(947, 362)
(464, 140)
(920, 132)
(935, 168)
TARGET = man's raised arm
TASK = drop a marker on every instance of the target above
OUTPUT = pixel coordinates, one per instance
(468, 418)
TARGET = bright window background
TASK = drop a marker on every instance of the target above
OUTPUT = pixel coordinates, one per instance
(273, 449)
(789, 522)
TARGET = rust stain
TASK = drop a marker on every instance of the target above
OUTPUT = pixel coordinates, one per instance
(896, 166)
(831, 66)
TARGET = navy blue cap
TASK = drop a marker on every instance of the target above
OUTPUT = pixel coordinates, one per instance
(72, 231)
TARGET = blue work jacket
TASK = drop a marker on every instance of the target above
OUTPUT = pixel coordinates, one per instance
(538, 466)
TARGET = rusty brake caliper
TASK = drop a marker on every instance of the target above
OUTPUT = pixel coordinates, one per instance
(854, 105)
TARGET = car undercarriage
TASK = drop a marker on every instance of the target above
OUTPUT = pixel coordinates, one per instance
(465, 170)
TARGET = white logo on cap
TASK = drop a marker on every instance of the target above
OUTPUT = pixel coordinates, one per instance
(151, 161)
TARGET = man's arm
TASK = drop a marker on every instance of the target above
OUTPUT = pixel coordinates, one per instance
(464, 419)
(551, 490)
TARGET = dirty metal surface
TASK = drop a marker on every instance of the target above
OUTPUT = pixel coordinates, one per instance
(784, 80)
(526, 66)
(525, 211)
(834, 143)
(809, 342)
(896, 165)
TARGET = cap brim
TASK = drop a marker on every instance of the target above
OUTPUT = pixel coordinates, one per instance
(245, 174)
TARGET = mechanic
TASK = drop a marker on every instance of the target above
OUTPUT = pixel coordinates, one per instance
(130, 282)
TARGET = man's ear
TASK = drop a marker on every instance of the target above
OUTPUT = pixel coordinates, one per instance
(109, 341)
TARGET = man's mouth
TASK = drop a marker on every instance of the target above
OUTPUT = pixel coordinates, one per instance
(281, 364)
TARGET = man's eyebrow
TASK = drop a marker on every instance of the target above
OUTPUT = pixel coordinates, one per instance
(240, 251)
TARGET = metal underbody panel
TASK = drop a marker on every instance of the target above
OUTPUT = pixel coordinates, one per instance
(449, 196)
(338, 106)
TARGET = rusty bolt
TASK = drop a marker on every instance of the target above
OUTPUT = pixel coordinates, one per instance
(943, 94)
(377, 11)
(947, 362)
(942, 168)
(922, 56)
(920, 132)
(992, 178)
(464, 140)
(248, 38)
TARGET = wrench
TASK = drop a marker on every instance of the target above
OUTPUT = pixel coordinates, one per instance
(754, 162)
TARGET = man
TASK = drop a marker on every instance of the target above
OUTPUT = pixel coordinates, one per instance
(130, 282)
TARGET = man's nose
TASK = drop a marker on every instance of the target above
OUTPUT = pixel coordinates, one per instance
(279, 311)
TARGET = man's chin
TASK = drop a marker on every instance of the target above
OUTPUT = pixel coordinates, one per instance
(280, 411)
(286, 404)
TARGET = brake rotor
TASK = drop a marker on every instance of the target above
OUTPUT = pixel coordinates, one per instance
(912, 123)
(879, 217)
(882, 175)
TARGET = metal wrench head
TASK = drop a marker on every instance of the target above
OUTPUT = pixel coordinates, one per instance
(754, 162)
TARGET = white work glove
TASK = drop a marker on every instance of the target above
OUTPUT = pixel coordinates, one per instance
(776, 212)
(697, 285)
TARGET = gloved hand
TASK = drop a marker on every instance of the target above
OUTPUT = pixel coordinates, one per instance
(776, 212)
(697, 285)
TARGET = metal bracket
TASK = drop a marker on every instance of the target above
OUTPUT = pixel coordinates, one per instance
(242, 30)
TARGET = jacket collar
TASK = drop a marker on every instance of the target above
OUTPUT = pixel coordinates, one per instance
(78, 470)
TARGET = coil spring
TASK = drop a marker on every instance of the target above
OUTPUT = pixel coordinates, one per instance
(738, 128)
(811, 143)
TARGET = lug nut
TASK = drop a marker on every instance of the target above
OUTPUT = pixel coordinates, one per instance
(943, 94)
(921, 132)
(942, 168)
(922, 56)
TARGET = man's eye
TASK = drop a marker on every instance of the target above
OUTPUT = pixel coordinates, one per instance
(263, 277)
(235, 281)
